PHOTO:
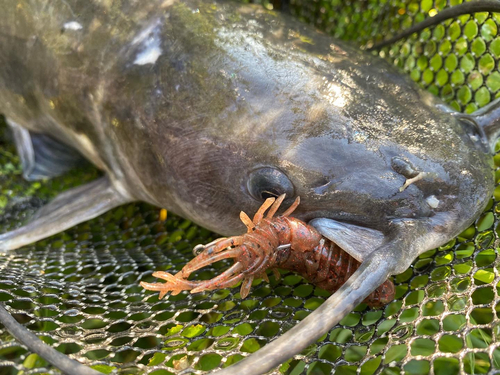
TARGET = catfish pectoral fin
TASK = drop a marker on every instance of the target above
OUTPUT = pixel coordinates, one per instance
(65, 211)
(359, 242)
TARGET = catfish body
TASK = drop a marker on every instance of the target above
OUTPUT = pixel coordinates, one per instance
(180, 101)
(207, 108)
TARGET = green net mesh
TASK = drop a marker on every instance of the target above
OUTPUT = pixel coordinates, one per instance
(79, 290)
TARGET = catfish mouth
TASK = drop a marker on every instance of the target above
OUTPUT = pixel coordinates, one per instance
(361, 220)
(357, 241)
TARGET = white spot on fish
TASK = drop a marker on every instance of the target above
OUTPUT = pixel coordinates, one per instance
(432, 201)
(149, 56)
(149, 40)
(72, 25)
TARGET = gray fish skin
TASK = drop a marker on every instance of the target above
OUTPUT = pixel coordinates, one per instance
(182, 103)
(233, 88)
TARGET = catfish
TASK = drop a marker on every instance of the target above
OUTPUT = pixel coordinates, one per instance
(207, 108)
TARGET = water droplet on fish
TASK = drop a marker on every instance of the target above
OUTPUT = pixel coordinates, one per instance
(432, 201)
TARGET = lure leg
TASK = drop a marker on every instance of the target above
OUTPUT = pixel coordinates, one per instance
(247, 221)
(206, 258)
(249, 263)
(275, 206)
(292, 208)
(176, 284)
(260, 213)
(65, 211)
(226, 279)
(245, 286)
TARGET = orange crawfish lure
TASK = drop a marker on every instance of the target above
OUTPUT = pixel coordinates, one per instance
(271, 243)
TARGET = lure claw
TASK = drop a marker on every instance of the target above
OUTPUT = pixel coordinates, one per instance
(270, 242)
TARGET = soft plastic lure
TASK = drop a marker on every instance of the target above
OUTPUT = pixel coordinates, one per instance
(271, 243)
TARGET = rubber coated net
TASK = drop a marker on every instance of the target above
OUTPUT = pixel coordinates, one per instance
(79, 290)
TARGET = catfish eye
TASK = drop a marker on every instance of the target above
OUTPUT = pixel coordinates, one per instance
(269, 182)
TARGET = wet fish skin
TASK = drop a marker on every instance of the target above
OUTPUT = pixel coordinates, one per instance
(226, 89)
(194, 105)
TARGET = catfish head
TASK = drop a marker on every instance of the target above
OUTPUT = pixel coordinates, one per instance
(263, 106)
(382, 168)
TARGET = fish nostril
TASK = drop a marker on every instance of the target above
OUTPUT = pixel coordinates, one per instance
(404, 167)
(322, 186)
